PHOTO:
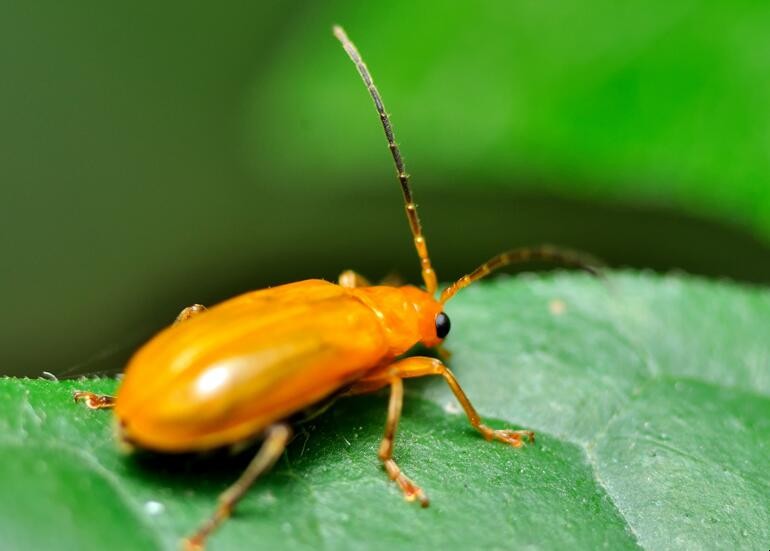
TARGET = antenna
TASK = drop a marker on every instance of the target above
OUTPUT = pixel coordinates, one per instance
(428, 275)
(516, 256)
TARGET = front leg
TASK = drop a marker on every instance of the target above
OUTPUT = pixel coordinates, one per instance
(421, 366)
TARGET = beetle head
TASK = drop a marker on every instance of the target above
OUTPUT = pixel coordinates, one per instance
(433, 324)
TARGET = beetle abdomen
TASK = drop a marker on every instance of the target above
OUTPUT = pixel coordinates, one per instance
(226, 374)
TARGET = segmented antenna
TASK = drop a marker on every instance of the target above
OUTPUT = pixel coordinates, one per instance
(428, 275)
(514, 256)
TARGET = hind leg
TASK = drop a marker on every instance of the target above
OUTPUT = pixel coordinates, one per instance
(105, 401)
(94, 400)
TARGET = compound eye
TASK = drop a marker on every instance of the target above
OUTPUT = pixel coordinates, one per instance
(442, 325)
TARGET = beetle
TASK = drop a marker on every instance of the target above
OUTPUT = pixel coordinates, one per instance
(221, 376)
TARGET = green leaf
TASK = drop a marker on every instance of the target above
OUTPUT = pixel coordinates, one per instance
(650, 396)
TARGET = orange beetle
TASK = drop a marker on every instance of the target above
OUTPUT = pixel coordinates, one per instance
(221, 376)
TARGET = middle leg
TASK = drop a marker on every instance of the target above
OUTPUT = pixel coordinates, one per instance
(351, 279)
(276, 439)
(411, 490)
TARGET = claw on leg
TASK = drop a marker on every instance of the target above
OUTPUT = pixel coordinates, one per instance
(412, 492)
(93, 400)
(515, 438)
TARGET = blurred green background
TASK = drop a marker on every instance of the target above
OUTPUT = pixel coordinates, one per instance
(157, 155)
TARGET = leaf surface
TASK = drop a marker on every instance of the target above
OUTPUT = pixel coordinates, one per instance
(650, 396)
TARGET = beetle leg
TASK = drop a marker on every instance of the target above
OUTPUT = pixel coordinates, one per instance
(443, 352)
(368, 385)
(420, 366)
(411, 490)
(276, 439)
(350, 280)
(105, 401)
(189, 312)
(93, 400)
(392, 279)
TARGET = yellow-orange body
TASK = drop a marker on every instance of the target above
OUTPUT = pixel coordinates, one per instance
(226, 374)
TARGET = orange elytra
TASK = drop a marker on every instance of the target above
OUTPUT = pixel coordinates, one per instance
(238, 370)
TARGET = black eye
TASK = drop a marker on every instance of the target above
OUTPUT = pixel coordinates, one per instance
(442, 325)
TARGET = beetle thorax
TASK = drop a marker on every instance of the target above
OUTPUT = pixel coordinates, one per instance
(406, 314)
